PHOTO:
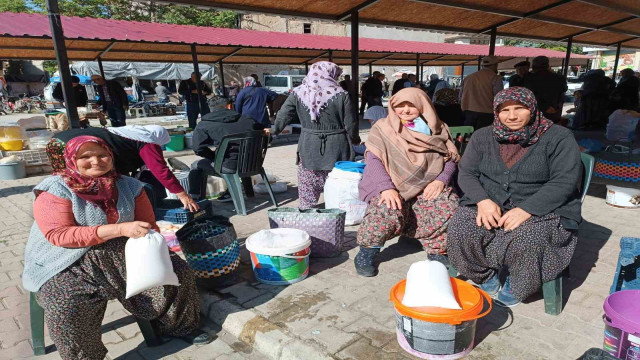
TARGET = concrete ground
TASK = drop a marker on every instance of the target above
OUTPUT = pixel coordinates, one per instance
(334, 313)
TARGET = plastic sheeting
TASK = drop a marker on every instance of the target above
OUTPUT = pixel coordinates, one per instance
(143, 70)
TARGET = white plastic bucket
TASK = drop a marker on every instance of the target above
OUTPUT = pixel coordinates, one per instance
(279, 256)
(627, 198)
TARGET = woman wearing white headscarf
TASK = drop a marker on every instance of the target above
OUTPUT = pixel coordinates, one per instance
(133, 146)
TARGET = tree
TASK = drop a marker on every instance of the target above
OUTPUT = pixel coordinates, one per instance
(16, 6)
(527, 43)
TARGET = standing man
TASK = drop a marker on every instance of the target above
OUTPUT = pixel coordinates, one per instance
(478, 90)
(522, 70)
(347, 84)
(252, 101)
(548, 87)
(373, 89)
(255, 77)
(113, 99)
(79, 92)
(399, 84)
(162, 92)
(189, 89)
(410, 82)
(628, 88)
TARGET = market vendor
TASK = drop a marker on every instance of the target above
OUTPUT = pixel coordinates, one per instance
(133, 146)
(79, 93)
(113, 99)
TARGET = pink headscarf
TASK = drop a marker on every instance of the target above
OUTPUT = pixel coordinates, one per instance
(101, 191)
(318, 87)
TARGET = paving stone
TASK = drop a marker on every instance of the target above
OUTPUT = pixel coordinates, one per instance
(124, 347)
(210, 351)
(378, 334)
(8, 325)
(270, 342)
(243, 292)
(128, 331)
(299, 350)
(111, 337)
(360, 350)
(10, 339)
(330, 338)
(21, 350)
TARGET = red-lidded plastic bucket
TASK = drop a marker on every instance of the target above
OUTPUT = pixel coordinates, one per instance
(437, 333)
(622, 324)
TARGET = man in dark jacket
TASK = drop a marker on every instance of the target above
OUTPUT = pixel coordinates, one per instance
(548, 87)
(79, 92)
(628, 88)
(373, 88)
(113, 100)
(252, 100)
(210, 131)
(522, 70)
(189, 90)
(399, 84)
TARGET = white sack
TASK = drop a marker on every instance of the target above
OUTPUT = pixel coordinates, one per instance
(148, 264)
(341, 192)
(428, 284)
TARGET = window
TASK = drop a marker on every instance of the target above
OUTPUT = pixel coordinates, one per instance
(307, 28)
(274, 81)
(296, 80)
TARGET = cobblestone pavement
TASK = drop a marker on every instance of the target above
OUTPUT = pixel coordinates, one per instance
(334, 314)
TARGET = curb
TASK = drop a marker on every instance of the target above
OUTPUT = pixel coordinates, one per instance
(272, 341)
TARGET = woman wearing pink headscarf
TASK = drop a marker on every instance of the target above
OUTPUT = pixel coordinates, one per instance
(324, 110)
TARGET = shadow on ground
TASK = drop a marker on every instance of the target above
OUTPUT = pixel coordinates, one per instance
(16, 190)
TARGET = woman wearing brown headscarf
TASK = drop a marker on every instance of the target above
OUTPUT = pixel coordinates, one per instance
(410, 162)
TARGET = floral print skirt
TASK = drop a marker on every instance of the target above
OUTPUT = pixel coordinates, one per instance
(425, 220)
(55, 153)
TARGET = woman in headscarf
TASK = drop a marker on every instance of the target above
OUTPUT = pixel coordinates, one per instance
(411, 160)
(445, 101)
(74, 260)
(325, 112)
(252, 101)
(133, 146)
(521, 206)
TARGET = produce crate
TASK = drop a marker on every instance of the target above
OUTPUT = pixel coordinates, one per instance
(31, 157)
(172, 211)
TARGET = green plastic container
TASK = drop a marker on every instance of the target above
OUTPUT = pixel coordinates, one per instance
(176, 143)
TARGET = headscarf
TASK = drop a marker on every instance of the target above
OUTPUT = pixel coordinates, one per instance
(249, 81)
(100, 191)
(318, 87)
(530, 133)
(412, 159)
(445, 97)
(152, 134)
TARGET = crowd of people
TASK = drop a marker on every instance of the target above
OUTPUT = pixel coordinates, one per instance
(505, 213)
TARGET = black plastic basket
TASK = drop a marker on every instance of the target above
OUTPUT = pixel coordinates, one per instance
(211, 248)
(173, 211)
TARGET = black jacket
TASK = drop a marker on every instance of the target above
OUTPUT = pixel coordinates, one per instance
(116, 94)
(213, 127)
(373, 87)
(79, 93)
(187, 86)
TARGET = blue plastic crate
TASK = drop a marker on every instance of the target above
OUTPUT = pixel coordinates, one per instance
(628, 270)
(172, 211)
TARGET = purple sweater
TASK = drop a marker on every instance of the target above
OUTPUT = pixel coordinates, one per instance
(376, 179)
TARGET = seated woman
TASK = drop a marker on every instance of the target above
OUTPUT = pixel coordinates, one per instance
(410, 162)
(445, 101)
(133, 146)
(521, 205)
(74, 259)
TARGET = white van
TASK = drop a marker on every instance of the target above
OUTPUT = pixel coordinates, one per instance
(282, 84)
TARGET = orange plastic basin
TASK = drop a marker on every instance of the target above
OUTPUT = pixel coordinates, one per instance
(470, 298)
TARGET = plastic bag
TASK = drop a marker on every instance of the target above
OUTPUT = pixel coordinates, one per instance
(278, 187)
(148, 264)
(341, 192)
(591, 145)
(428, 284)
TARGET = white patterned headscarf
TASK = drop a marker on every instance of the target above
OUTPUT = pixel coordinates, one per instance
(318, 87)
(152, 134)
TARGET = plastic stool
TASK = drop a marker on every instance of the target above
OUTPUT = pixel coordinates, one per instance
(137, 112)
(36, 314)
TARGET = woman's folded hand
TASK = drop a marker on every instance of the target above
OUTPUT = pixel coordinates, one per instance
(391, 198)
(489, 214)
(433, 190)
(513, 218)
(134, 229)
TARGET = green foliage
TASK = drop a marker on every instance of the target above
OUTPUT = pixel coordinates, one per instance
(139, 11)
(50, 66)
(527, 43)
(17, 6)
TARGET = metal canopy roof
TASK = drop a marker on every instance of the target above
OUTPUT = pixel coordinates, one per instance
(593, 22)
(28, 36)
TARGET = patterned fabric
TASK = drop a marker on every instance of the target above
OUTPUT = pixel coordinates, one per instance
(150, 134)
(325, 227)
(628, 171)
(412, 159)
(529, 134)
(310, 186)
(445, 97)
(101, 191)
(75, 301)
(425, 220)
(319, 87)
(55, 153)
(43, 260)
(535, 252)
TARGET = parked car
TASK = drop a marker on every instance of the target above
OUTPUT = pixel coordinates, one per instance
(282, 84)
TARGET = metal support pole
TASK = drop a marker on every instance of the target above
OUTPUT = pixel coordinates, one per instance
(355, 61)
(421, 73)
(462, 74)
(221, 67)
(60, 49)
(417, 66)
(331, 55)
(370, 69)
(615, 64)
(567, 57)
(101, 67)
(492, 42)
(196, 69)
(479, 62)
(306, 67)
